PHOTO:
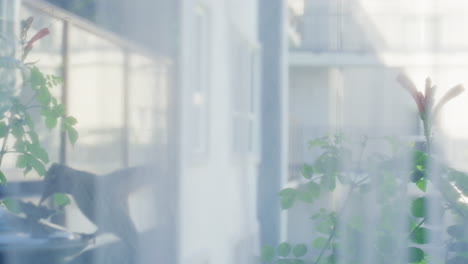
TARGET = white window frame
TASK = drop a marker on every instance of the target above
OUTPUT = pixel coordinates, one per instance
(200, 86)
(245, 87)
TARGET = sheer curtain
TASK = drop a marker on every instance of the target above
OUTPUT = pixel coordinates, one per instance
(171, 160)
(368, 80)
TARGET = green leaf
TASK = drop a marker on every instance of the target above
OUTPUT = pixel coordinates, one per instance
(305, 196)
(268, 253)
(57, 79)
(3, 179)
(34, 137)
(422, 183)
(319, 242)
(314, 189)
(43, 96)
(27, 170)
(415, 255)
(321, 142)
(45, 112)
(343, 178)
(61, 199)
(299, 250)
(37, 166)
(417, 175)
(22, 161)
(70, 121)
(307, 171)
(328, 182)
(460, 179)
(50, 122)
(3, 129)
(39, 153)
(457, 231)
(72, 135)
(28, 120)
(284, 249)
(420, 158)
(419, 236)
(12, 205)
(287, 198)
(17, 129)
(37, 78)
(323, 227)
(20, 145)
(418, 207)
(59, 110)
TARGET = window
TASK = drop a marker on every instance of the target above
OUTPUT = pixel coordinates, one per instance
(96, 68)
(245, 89)
(199, 87)
(147, 104)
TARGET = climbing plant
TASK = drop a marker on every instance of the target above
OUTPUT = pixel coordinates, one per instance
(400, 184)
(18, 135)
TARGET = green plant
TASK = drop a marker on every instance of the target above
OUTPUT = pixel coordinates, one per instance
(17, 128)
(342, 235)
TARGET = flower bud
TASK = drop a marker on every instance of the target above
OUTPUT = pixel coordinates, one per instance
(411, 88)
(452, 93)
(40, 34)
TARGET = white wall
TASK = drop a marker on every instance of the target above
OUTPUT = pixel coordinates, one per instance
(217, 190)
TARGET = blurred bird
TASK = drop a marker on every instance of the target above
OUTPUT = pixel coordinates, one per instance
(102, 199)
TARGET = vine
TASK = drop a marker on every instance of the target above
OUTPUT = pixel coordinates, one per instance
(381, 179)
(17, 127)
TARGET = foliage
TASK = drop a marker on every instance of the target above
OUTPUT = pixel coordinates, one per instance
(395, 191)
(17, 126)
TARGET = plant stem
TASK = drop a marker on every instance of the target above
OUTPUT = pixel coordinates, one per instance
(361, 181)
(418, 226)
(451, 204)
(361, 153)
(333, 231)
(427, 134)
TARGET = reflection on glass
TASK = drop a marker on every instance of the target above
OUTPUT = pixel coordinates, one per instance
(147, 104)
(95, 98)
(47, 55)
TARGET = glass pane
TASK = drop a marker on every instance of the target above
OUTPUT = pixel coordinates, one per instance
(147, 95)
(346, 142)
(96, 72)
(47, 56)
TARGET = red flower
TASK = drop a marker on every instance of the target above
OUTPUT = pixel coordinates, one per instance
(420, 102)
(43, 32)
(425, 102)
(411, 88)
(429, 94)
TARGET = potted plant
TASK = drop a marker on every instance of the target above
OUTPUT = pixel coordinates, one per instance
(19, 138)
